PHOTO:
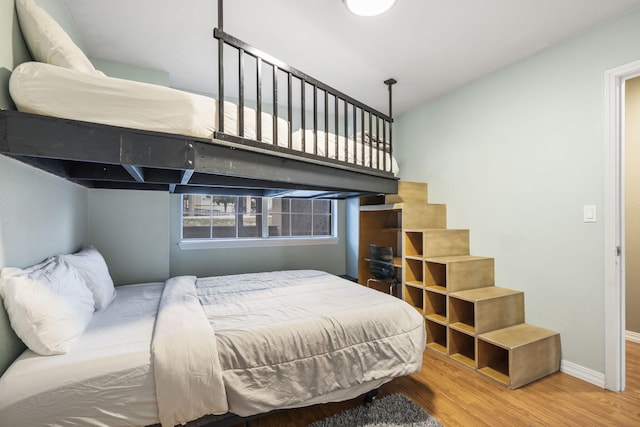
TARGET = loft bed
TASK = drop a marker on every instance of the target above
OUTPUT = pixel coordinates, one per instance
(318, 142)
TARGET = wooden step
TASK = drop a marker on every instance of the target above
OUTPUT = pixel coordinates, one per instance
(458, 273)
(481, 310)
(409, 192)
(519, 354)
(429, 243)
(422, 216)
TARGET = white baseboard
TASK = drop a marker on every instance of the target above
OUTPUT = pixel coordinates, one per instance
(580, 372)
(632, 336)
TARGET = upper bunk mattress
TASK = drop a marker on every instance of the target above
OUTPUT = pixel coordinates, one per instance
(54, 91)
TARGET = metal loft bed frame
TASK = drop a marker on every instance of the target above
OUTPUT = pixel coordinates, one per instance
(105, 156)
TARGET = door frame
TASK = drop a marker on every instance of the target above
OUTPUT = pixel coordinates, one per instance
(614, 200)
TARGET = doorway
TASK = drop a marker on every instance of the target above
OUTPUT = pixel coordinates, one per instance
(631, 212)
(614, 224)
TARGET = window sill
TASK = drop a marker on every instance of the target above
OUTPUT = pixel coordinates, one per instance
(200, 244)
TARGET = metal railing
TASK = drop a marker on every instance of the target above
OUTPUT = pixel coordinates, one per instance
(366, 133)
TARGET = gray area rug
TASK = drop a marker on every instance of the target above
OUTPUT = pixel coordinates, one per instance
(395, 410)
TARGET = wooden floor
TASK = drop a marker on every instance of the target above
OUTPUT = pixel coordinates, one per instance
(458, 396)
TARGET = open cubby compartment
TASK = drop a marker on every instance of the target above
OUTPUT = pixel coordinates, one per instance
(462, 347)
(516, 355)
(436, 336)
(414, 296)
(413, 243)
(493, 361)
(461, 314)
(435, 275)
(413, 273)
(392, 220)
(435, 306)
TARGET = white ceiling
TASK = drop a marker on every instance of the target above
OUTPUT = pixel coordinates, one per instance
(430, 46)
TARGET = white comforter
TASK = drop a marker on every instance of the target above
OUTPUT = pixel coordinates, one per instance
(282, 339)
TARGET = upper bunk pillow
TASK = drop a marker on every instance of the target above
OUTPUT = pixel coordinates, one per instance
(48, 305)
(47, 41)
(95, 273)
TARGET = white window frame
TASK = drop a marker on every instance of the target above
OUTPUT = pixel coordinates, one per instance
(265, 240)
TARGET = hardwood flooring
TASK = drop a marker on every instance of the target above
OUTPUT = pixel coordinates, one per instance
(458, 396)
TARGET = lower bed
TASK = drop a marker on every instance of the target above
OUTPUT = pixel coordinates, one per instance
(259, 342)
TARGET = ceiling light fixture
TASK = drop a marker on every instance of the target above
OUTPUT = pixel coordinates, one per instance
(368, 7)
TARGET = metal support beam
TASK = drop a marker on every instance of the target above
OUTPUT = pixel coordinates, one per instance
(135, 171)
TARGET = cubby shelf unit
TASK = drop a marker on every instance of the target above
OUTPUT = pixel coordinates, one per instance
(467, 317)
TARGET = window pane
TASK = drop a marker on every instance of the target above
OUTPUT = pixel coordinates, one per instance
(321, 206)
(300, 224)
(279, 224)
(196, 217)
(250, 225)
(279, 205)
(224, 225)
(300, 206)
(321, 225)
(224, 204)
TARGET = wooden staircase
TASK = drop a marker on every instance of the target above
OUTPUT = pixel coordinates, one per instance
(467, 317)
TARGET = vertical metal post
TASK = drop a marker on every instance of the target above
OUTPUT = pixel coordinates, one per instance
(390, 83)
(241, 92)
(315, 119)
(326, 123)
(259, 98)
(335, 114)
(220, 70)
(355, 135)
(275, 105)
(303, 87)
(384, 145)
(289, 108)
(346, 131)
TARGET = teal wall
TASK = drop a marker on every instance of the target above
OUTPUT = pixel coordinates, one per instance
(138, 233)
(40, 215)
(515, 156)
(13, 50)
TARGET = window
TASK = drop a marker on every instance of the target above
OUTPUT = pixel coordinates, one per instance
(212, 218)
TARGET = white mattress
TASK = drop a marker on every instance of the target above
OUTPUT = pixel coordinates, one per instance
(284, 339)
(49, 90)
(106, 380)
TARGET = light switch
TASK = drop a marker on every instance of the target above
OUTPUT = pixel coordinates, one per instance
(590, 213)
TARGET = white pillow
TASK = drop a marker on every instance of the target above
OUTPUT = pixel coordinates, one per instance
(47, 41)
(95, 273)
(48, 305)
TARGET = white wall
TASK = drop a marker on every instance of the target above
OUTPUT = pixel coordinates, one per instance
(515, 156)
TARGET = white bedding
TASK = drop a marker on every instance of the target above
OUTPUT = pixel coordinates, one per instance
(284, 339)
(50, 90)
(106, 380)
